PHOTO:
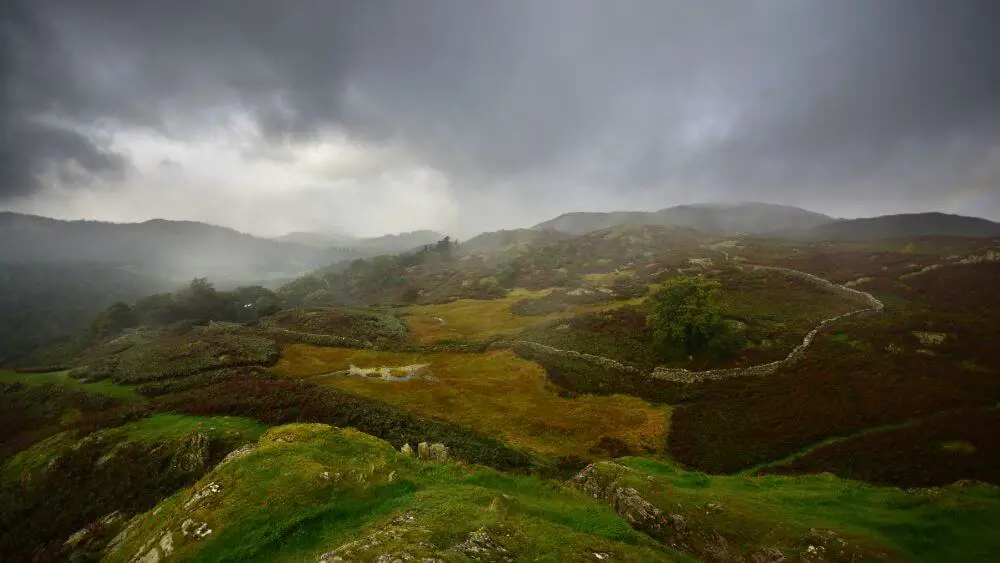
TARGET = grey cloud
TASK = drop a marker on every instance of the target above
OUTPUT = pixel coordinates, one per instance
(781, 100)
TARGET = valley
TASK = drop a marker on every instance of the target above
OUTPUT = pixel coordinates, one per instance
(842, 401)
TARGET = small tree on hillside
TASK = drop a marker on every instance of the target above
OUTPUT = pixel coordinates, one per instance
(687, 321)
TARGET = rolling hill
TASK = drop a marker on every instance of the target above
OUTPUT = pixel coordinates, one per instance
(721, 219)
(175, 250)
(896, 226)
(369, 246)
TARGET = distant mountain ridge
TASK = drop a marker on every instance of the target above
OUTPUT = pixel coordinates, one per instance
(391, 243)
(904, 225)
(734, 219)
(175, 250)
(510, 240)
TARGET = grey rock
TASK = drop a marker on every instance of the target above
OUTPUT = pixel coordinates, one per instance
(438, 452)
(192, 454)
(768, 555)
(167, 543)
(152, 556)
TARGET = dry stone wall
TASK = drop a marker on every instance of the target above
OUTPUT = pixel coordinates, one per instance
(681, 375)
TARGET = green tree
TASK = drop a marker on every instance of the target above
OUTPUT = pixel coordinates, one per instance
(199, 302)
(687, 321)
(411, 294)
(115, 319)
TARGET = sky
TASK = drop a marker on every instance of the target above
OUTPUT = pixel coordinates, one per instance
(378, 116)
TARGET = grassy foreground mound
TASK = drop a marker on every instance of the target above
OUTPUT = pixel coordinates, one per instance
(74, 480)
(310, 491)
(805, 518)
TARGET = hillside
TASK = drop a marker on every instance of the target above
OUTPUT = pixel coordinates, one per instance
(718, 219)
(318, 240)
(42, 302)
(366, 246)
(522, 402)
(175, 250)
(506, 244)
(896, 226)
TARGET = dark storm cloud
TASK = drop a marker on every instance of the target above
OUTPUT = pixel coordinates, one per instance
(748, 99)
(33, 79)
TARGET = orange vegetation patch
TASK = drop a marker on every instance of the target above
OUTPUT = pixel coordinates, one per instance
(479, 319)
(496, 394)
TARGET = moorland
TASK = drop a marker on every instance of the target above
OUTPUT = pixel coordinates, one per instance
(643, 390)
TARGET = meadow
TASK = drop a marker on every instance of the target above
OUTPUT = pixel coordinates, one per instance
(496, 394)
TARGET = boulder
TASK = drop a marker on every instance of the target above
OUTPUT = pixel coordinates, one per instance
(192, 454)
(438, 452)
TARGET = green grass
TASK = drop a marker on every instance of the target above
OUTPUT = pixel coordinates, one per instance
(276, 505)
(68, 481)
(62, 378)
(169, 426)
(309, 489)
(952, 524)
(157, 428)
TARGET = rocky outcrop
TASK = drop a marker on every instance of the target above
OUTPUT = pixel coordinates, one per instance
(426, 451)
(601, 481)
(193, 454)
(707, 532)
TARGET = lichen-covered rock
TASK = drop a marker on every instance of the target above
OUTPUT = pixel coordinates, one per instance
(206, 491)
(481, 545)
(152, 556)
(600, 480)
(423, 450)
(438, 452)
(167, 543)
(402, 538)
(238, 453)
(195, 530)
(407, 450)
(768, 555)
(193, 454)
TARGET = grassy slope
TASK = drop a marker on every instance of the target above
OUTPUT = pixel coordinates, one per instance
(481, 319)
(61, 378)
(951, 524)
(276, 504)
(156, 428)
(496, 394)
(69, 481)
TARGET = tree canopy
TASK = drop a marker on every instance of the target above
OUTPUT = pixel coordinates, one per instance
(687, 320)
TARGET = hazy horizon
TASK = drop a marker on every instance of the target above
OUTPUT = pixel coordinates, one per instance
(335, 232)
(389, 116)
